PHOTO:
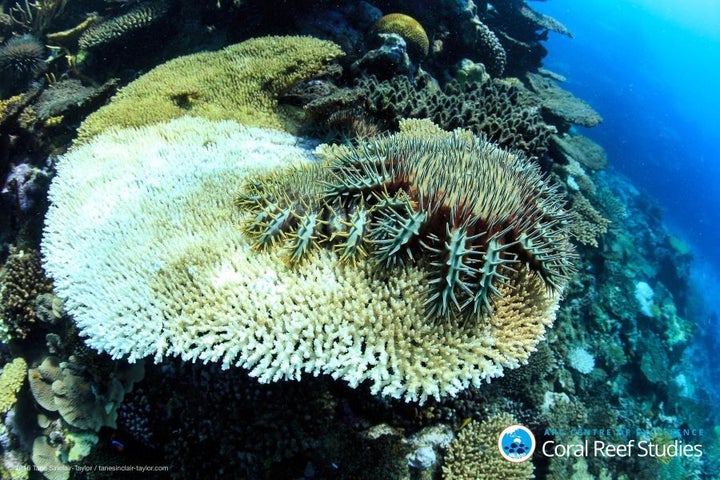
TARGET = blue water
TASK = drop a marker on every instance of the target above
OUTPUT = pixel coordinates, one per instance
(651, 68)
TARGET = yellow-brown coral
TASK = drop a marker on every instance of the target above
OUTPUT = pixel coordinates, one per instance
(241, 82)
(474, 454)
(408, 28)
(21, 281)
(11, 380)
(588, 224)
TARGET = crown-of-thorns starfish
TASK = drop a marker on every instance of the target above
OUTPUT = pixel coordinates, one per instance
(460, 207)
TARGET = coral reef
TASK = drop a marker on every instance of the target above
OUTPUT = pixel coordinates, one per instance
(409, 29)
(143, 16)
(498, 110)
(22, 280)
(581, 149)
(362, 271)
(25, 188)
(67, 98)
(587, 224)
(47, 461)
(581, 360)
(241, 82)
(474, 453)
(11, 380)
(81, 401)
(214, 298)
(491, 51)
(389, 59)
(562, 107)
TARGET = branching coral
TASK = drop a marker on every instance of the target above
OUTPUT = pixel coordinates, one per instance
(588, 224)
(11, 380)
(143, 242)
(22, 281)
(474, 453)
(241, 82)
(36, 17)
(141, 17)
(499, 110)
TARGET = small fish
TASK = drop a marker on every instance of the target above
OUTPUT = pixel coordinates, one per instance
(115, 443)
(464, 423)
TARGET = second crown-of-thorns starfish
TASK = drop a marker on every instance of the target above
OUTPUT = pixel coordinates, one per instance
(465, 210)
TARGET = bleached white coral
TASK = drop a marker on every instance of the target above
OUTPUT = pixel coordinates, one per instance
(143, 242)
(581, 360)
(645, 295)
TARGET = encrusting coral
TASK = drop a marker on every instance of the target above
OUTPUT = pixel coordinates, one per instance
(143, 241)
(240, 82)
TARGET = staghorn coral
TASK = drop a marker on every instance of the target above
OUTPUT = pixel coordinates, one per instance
(499, 110)
(116, 29)
(241, 82)
(409, 29)
(143, 242)
(36, 16)
(22, 281)
(471, 210)
(474, 453)
(11, 381)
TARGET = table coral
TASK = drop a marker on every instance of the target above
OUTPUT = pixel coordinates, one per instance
(143, 241)
(240, 82)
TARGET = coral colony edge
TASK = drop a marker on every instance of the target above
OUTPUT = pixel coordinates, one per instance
(315, 240)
